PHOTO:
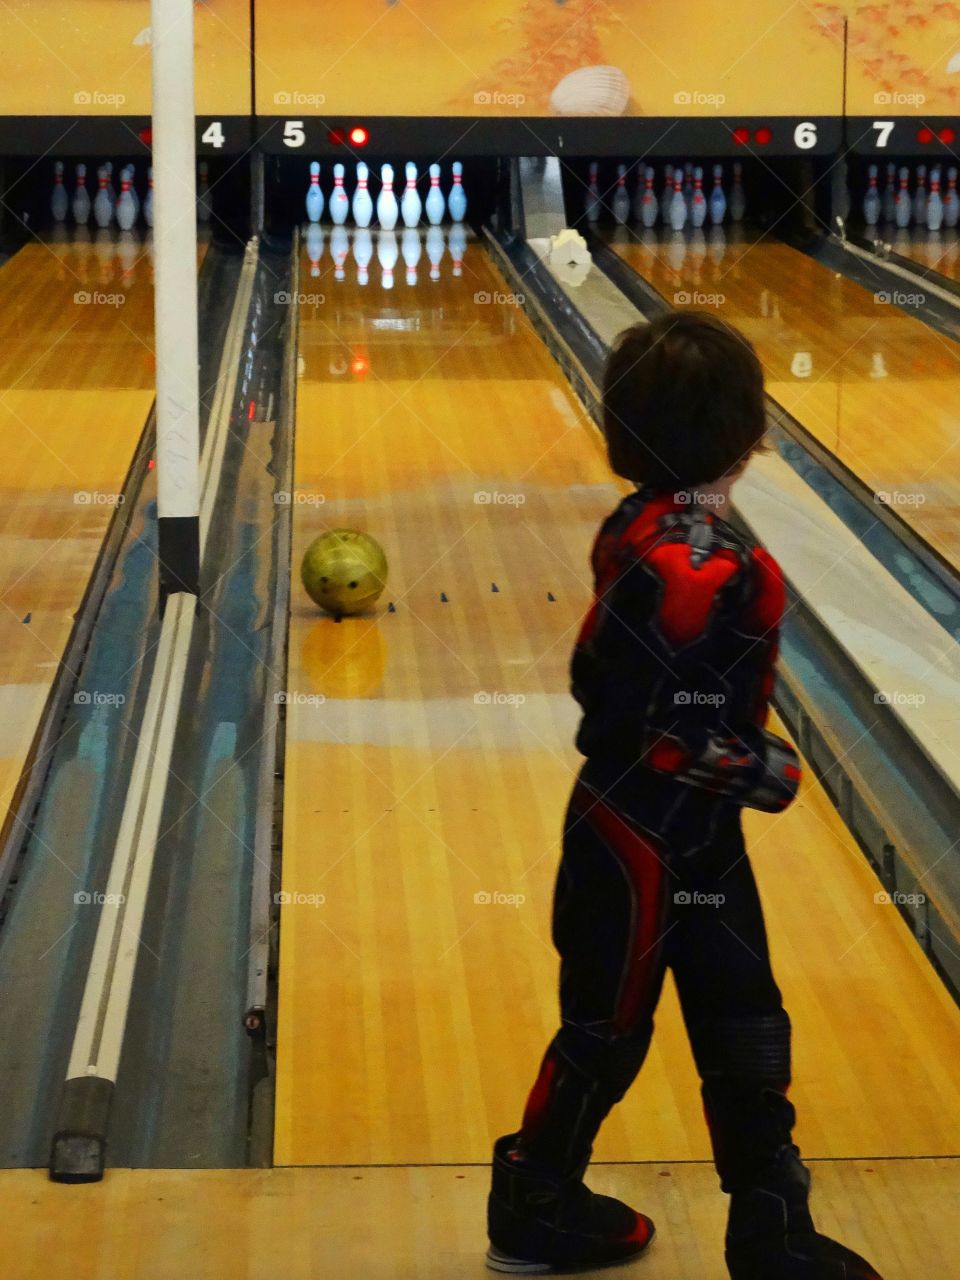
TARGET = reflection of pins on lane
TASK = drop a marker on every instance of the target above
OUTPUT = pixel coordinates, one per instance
(903, 208)
(738, 199)
(649, 204)
(457, 201)
(148, 203)
(127, 246)
(677, 244)
(314, 194)
(339, 200)
(314, 247)
(951, 203)
(388, 251)
(126, 209)
(934, 202)
(102, 204)
(592, 203)
(871, 201)
(411, 249)
(103, 248)
(363, 254)
(387, 208)
(718, 201)
(362, 203)
(435, 249)
(920, 197)
(621, 199)
(411, 206)
(339, 248)
(436, 205)
(678, 206)
(889, 203)
(458, 247)
(59, 201)
(718, 244)
(81, 197)
(698, 205)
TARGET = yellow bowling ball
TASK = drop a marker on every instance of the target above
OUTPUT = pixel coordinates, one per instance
(344, 571)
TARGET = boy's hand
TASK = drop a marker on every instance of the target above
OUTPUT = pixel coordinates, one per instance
(762, 775)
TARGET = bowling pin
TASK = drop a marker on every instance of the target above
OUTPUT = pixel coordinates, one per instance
(339, 200)
(718, 201)
(435, 248)
(411, 206)
(920, 197)
(81, 198)
(102, 204)
(388, 251)
(204, 205)
(362, 253)
(698, 203)
(111, 190)
(951, 203)
(903, 207)
(59, 200)
(738, 200)
(592, 204)
(621, 200)
(314, 194)
(688, 186)
(667, 194)
(362, 203)
(148, 202)
(314, 240)
(131, 170)
(649, 207)
(339, 248)
(871, 201)
(458, 247)
(435, 205)
(678, 206)
(934, 202)
(126, 209)
(457, 200)
(889, 203)
(411, 249)
(387, 209)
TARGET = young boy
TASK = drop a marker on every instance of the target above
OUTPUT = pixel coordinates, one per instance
(674, 669)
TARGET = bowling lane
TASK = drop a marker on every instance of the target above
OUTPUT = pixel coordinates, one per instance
(875, 385)
(938, 250)
(76, 384)
(429, 757)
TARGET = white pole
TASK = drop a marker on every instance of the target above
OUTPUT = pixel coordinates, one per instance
(175, 305)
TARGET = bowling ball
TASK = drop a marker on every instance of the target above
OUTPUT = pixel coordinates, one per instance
(344, 571)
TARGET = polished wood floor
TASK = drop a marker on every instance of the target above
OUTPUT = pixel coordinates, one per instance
(428, 1223)
(428, 761)
(938, 250)
(871, 382)
(76, 384)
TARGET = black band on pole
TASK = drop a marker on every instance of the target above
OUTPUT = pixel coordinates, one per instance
(179, 550)
(78, 1150)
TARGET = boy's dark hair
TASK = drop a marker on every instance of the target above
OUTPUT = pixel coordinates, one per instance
(682, 401)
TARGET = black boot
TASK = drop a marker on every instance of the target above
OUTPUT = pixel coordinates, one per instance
(542, 1222)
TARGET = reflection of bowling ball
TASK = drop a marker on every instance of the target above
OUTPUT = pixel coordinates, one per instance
(345, 661)
(344, 571)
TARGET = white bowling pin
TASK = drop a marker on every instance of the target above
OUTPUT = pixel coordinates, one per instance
(871, 201)
(363, 253)
(362, 203)
(388, 210)
(920, 197)
(934, 202)
(889, 203)
(148, 202)
(904, 207)
(314, 240)
(81, 197)
(592, 203)
(435, 248)
(411, 249)
(457, 200)
(738, 199)
(339, 248)
(388, 251)
(102, 204)
(59, 200)
(688, 186)
(678, 205)
(621, 200)
(951, 203)
(314, 194)
(411, 206)
(126, 209)
(718, 201)
(458, 247)
(698, 201)
(649, 205)
(339, 200)
(435, 205)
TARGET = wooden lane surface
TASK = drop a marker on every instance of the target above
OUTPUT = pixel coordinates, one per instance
(297, 1224)
(76, 384)
(875, 385)
(417, 977)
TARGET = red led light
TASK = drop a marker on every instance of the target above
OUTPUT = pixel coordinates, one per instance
(146, 136)
(359, 136)
(336, 137)
(924, 135)
(947, 135)
(741, 137)
(763, 136)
